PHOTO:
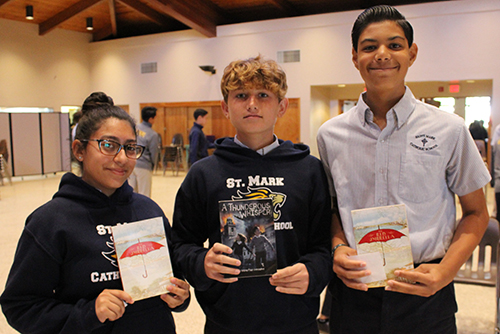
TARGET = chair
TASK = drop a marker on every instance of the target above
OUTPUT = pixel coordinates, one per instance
(481, 146)
(172, 154)
(497, 320)
(481, 267)
(4, 160)
(178, 140)
(4, 170)
(159, 155)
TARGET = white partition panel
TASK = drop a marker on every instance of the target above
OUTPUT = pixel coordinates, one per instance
(65, 142)
(26, 152)
(4, 127)
(5, 134)
(51, 142)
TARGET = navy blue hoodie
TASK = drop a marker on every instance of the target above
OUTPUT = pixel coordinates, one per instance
(297, 182)
(65, 258)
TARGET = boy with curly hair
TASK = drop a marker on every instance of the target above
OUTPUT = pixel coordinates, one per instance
(256, 163)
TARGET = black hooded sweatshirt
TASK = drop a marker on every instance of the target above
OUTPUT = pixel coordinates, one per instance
(65, 258)
(297, 182)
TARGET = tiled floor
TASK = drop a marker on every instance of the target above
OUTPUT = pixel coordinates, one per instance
(477, 306)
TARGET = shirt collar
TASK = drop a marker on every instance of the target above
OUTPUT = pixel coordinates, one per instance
(147, 124)
(402, 110)
(261, 151)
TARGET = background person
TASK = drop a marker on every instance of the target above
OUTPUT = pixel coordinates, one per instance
(198, 143)
(76, 118)
(141, 178)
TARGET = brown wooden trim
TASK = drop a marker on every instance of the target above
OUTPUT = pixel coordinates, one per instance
(145, 10)
(112, 17)
(65, 15)
(186, 14)
(181, 104)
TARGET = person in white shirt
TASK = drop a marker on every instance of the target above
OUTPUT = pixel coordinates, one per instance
(393, 149)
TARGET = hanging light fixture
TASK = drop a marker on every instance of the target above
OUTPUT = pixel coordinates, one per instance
(90, 24)
(29, 12)
(208, 68)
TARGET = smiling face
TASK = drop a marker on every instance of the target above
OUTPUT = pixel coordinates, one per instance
(104, 172)
(253, 112)
(383, 56)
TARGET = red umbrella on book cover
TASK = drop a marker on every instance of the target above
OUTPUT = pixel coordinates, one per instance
(141, 248)
(381, 235)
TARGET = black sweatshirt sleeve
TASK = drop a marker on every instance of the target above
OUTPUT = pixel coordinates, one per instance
(318, 259)
(29, 302)
(189, 232)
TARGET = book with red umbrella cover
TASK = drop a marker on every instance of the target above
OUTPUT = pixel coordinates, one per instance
(143, 257)
(384, 230)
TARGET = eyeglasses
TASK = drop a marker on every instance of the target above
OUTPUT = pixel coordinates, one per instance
(112, 148)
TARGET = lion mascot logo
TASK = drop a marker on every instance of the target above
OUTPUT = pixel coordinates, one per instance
(278, 199)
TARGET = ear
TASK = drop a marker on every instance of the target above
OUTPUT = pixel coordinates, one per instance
(413, 53)
(355, 58)
(78, 150)
(225, 108)
(283, 106)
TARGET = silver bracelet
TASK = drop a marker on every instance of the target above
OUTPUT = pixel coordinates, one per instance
(335, 248)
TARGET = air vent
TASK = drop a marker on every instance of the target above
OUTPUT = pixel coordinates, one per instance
(292, 56)
(149, 67)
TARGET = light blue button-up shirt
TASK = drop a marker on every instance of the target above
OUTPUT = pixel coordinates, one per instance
(422, 158)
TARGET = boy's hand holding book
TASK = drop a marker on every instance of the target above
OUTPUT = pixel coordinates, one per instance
(292, 280)
(216, 264)
(349, 270)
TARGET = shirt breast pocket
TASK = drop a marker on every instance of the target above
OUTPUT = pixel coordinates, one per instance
(420, 177)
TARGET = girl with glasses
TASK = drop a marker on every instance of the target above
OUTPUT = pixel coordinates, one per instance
(65, 278)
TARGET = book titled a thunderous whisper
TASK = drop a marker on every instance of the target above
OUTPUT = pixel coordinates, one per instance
(384, 231)
(247, 226)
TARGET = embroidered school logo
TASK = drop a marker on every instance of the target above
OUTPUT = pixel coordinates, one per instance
(110, 255)
(424, 142)
(141, 134)
(279, 199)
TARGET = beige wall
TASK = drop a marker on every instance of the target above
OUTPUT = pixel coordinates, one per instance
(452, 37)
(455, 39)
(42, 71)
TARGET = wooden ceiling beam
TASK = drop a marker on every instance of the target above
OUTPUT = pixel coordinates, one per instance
(112, 17)
(145, 10)
(65, 15)
(102, 33)
(285, 6)
(188, 13)
(3, 2)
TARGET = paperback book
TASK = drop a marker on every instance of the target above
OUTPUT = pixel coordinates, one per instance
(143, 257)
(247, 226)
(384, 230)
